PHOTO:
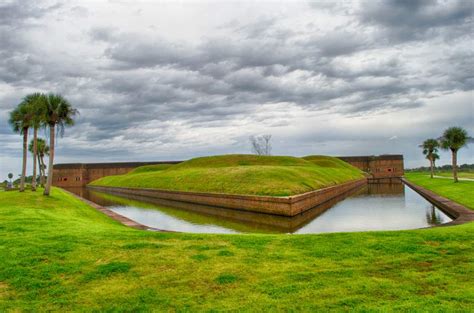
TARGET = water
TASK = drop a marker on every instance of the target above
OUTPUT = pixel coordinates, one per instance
(373, 207)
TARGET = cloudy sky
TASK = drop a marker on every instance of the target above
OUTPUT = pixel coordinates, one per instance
(171, 80)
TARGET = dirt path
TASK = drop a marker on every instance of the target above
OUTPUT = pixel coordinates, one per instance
(460, 178)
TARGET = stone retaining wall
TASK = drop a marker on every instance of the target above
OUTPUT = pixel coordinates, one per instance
(286, 206)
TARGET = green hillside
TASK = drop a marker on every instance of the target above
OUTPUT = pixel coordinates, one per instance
(240, 174)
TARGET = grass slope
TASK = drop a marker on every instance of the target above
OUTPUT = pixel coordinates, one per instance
(58, 254)
(461, 192)
(241, 174)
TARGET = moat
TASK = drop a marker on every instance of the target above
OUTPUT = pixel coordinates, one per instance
(373, 207)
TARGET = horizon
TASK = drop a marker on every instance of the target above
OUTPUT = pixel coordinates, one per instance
(173, 81)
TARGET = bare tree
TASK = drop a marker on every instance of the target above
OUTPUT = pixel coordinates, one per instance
(261, 144)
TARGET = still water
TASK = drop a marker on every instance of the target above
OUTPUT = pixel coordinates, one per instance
(372, 207)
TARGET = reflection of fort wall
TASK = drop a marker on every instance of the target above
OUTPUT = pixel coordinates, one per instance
(386, 189)
(259, 221)
(263, 221)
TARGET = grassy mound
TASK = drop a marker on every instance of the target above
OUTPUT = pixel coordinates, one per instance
(241, 174)
(151, 168)
(327, 161)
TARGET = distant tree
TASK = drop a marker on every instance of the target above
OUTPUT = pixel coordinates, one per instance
(261, 144)
(10, 176)
(430, 147)
(58, 114)
(454, 138)
(42, 151)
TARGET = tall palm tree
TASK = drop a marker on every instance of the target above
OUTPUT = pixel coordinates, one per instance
(454, 138)
(36, 103)
(430, 147)
(58, 113)
(435, 157)
(20, 121)
(42, 149)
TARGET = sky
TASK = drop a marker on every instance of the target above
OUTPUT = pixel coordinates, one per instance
(173, 80)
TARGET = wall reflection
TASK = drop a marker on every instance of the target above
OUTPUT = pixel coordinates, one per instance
(370, 207)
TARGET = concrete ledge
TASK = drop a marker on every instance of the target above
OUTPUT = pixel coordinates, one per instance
(286, 206)
(458, 212)
(115, 216)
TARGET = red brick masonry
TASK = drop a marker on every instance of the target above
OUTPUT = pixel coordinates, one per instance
(286, 206)
(460, 213)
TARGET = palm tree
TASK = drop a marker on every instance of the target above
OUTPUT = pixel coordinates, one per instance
(42, 149)
(454, 138)
(20, 121)
(36, 103)
(58, 113)
(435, 157)
(430, 147)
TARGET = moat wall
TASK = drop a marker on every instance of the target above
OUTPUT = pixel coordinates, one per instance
(285, 206)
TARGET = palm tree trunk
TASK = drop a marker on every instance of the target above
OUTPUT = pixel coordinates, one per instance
(40, 171)
(35, 156)
(49, 180)
(43, 168)
(455, 165)
(25, 156)
(431, 166)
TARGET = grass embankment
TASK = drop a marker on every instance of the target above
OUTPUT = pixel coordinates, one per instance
(461, 192)
(241, 174)
(58, 254)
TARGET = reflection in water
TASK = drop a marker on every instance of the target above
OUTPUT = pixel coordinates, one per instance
(372, 207)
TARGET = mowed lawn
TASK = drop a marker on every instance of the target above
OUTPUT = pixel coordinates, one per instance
(461, 192)
(469, 175)
(58, 254)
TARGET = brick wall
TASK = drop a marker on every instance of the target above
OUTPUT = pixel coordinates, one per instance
(80, 174)
(382, 166)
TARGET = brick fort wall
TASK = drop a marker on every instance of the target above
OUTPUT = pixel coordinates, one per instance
(81, 174)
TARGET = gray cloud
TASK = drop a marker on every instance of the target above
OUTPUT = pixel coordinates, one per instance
(417, 19)
(157, 90)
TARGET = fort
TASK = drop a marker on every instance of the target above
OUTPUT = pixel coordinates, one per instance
(81, 174)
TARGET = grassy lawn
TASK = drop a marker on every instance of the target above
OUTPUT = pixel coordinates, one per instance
(461, 192)
(241, 174)
(59, 254)
(466, 174)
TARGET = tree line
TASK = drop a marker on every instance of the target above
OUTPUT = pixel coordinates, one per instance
(453, 139)
(36, 111)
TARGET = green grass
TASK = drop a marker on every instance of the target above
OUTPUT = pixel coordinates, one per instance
(151, 168)
(461, 192)
(241, 174)
(58, 254)
(463, 174)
